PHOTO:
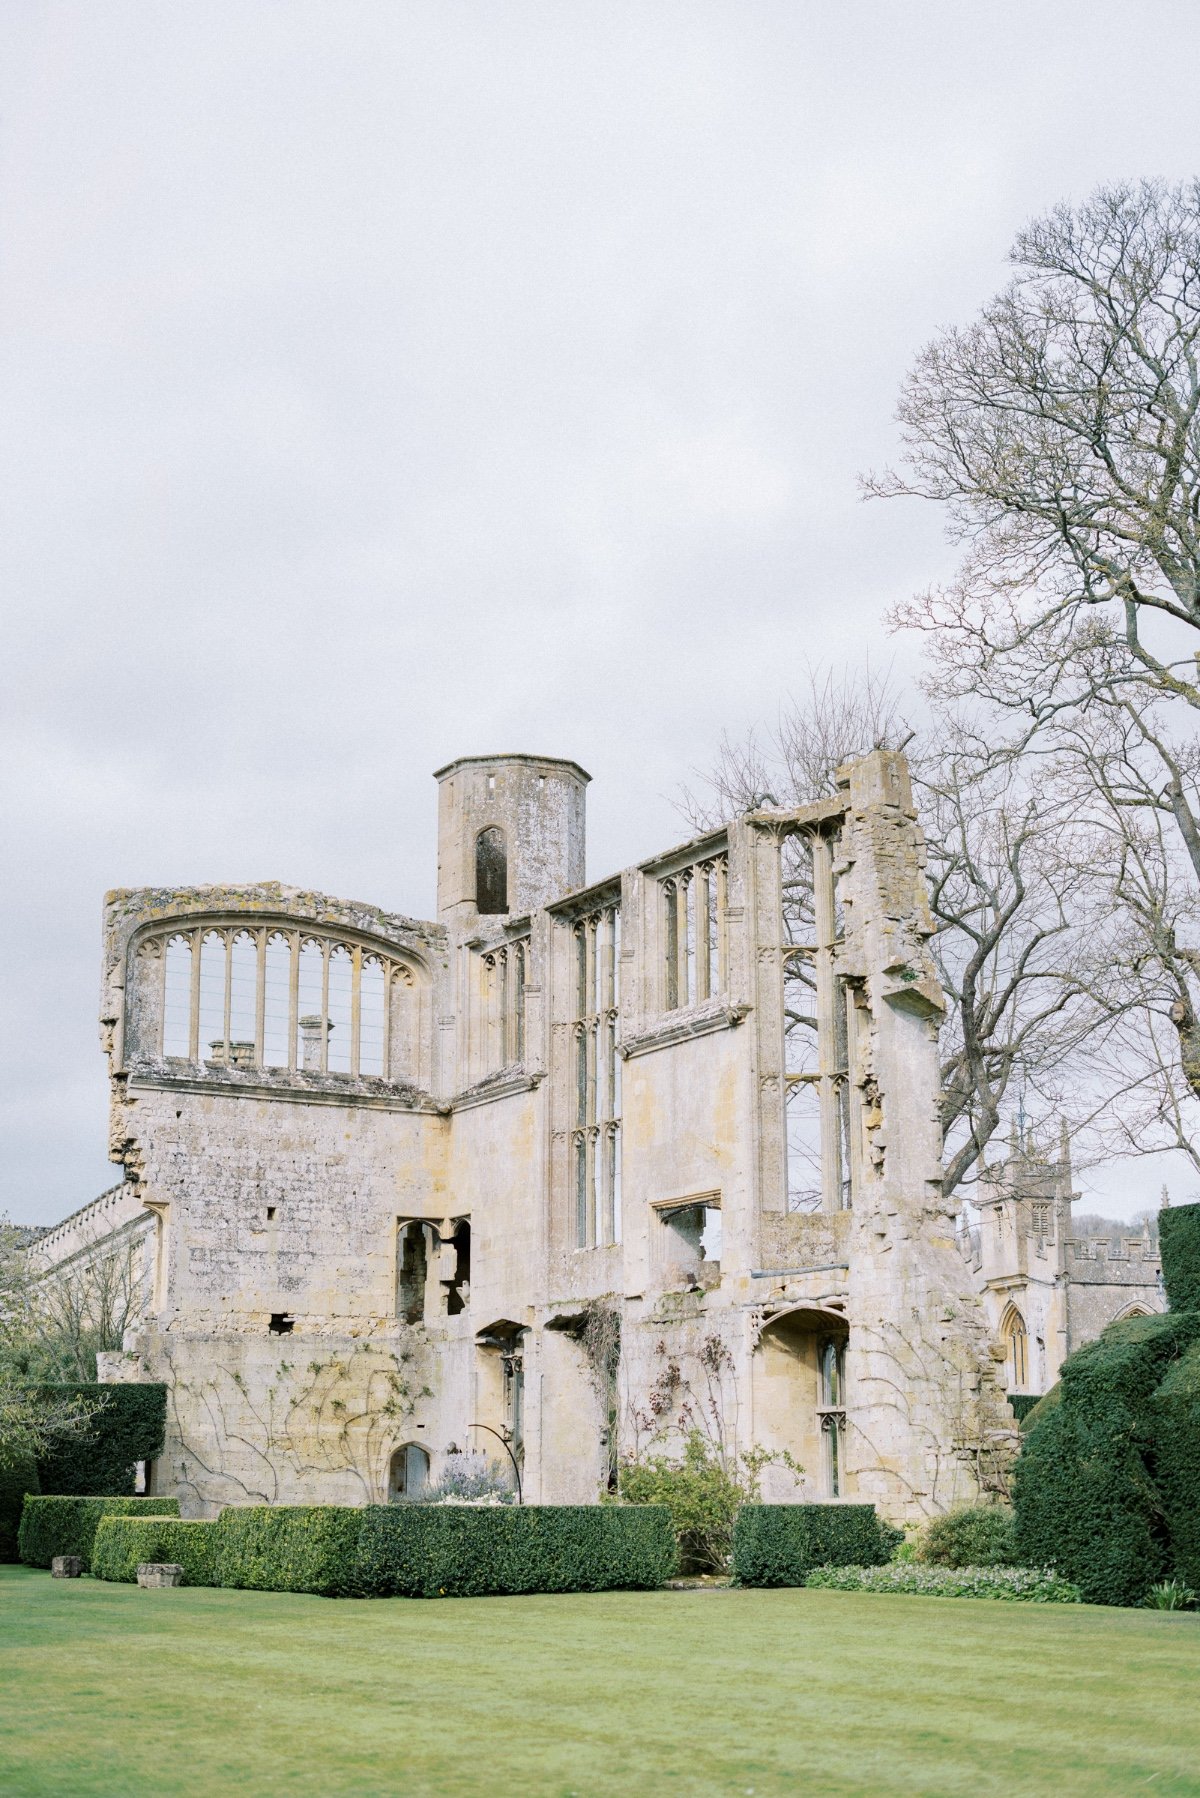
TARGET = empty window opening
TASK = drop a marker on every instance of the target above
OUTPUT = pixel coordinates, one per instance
(412, 1272)
(458, 1293)
(272, 998)
(690, 1241)
(408, 1473)
(694, 903)
(514, 1404)
(498, 1033)
(282, 1323)
(596, 1139)
(270, 1214)
(832, 1411)
(491, 871)
(821, 1023)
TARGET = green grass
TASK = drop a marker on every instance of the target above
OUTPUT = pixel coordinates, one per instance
(108, 1690)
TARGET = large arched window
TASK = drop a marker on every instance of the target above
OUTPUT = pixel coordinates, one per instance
(491, 871)
(1012, 1328)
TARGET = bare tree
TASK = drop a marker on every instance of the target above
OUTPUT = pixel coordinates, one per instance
(1061, 431)
(1022, 943)
(54, 1320)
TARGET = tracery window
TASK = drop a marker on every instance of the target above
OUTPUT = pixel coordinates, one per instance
(821, 1021)
(694, 937)
(500, 1031)
(1012, 1329)
(276, 996)
(832, 1410)
(596, 1137)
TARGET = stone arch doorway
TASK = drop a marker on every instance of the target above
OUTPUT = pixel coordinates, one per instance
(408, 1472)
(799, 1390)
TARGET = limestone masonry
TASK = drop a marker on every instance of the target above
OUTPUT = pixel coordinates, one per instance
(571, 1168)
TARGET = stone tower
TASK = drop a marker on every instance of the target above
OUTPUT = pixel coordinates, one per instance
(511, 834)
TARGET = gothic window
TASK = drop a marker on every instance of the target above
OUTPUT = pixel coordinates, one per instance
(499, 1032)
(596, 1137)
(693, 903)
(491, 871)
(411, 1272)
(822, 1020)
(275, 996)
(1012, 1329)
(832, 1410)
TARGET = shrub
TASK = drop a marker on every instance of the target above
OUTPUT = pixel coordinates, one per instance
(66, 1525)
(18, 1475)
(1179, 1244)
(1170, 1595)
(445, 1551)
(702, 1494)
(1176, 1426)
(465, 1481)
(1085, 1501)
(779, 1545)
(290, 1548)
(1028, 1585)
(126, 1427)
(975, 1536)
(123, 1542)
(1022, 1403)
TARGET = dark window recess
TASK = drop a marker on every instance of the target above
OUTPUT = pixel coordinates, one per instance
(282, 1323)
(459, 1293)
(491, 871)
(414, 1264)
(270, 1213)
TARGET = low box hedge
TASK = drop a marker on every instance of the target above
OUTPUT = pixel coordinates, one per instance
(54, 1524)
(290, 1548)
(122, 1543)
(778, 1545)
(466, 1551)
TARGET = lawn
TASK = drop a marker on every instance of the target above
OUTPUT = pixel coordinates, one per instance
(108, 1690)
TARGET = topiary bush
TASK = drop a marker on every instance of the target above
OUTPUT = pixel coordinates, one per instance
(445, 1551)
(126, 1427)
(779, 1545)
(1176, 1428)
(291, 1548)
(122, 1543)
(1084, 1496)
(18, 1475)
(973, 1536)
(66, 1525)
(1179, 1245)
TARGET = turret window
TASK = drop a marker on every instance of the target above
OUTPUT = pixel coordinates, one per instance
(491, 871)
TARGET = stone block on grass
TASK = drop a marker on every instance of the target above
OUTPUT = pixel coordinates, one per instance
(66, 1566)
(152, 1574)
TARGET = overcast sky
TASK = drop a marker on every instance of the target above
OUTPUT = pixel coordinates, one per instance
(387, 382)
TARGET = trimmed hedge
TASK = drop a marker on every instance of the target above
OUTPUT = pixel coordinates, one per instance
(123, 1542)
(1084, 1496)
(463, 1551)
(66, 1525)
(1177, 1461)
(1179, 1245)
(101, 1460)
(291, 1548)
(779, 1545)
(17, 1477)
(1022, 1403)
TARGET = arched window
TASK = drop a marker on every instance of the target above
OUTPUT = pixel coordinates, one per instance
(491, 871)
(408, 1474)
(1012, 1328)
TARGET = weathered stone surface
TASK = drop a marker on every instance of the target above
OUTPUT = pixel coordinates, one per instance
(481, 1193)
(153, 1574)
(66, 1566)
